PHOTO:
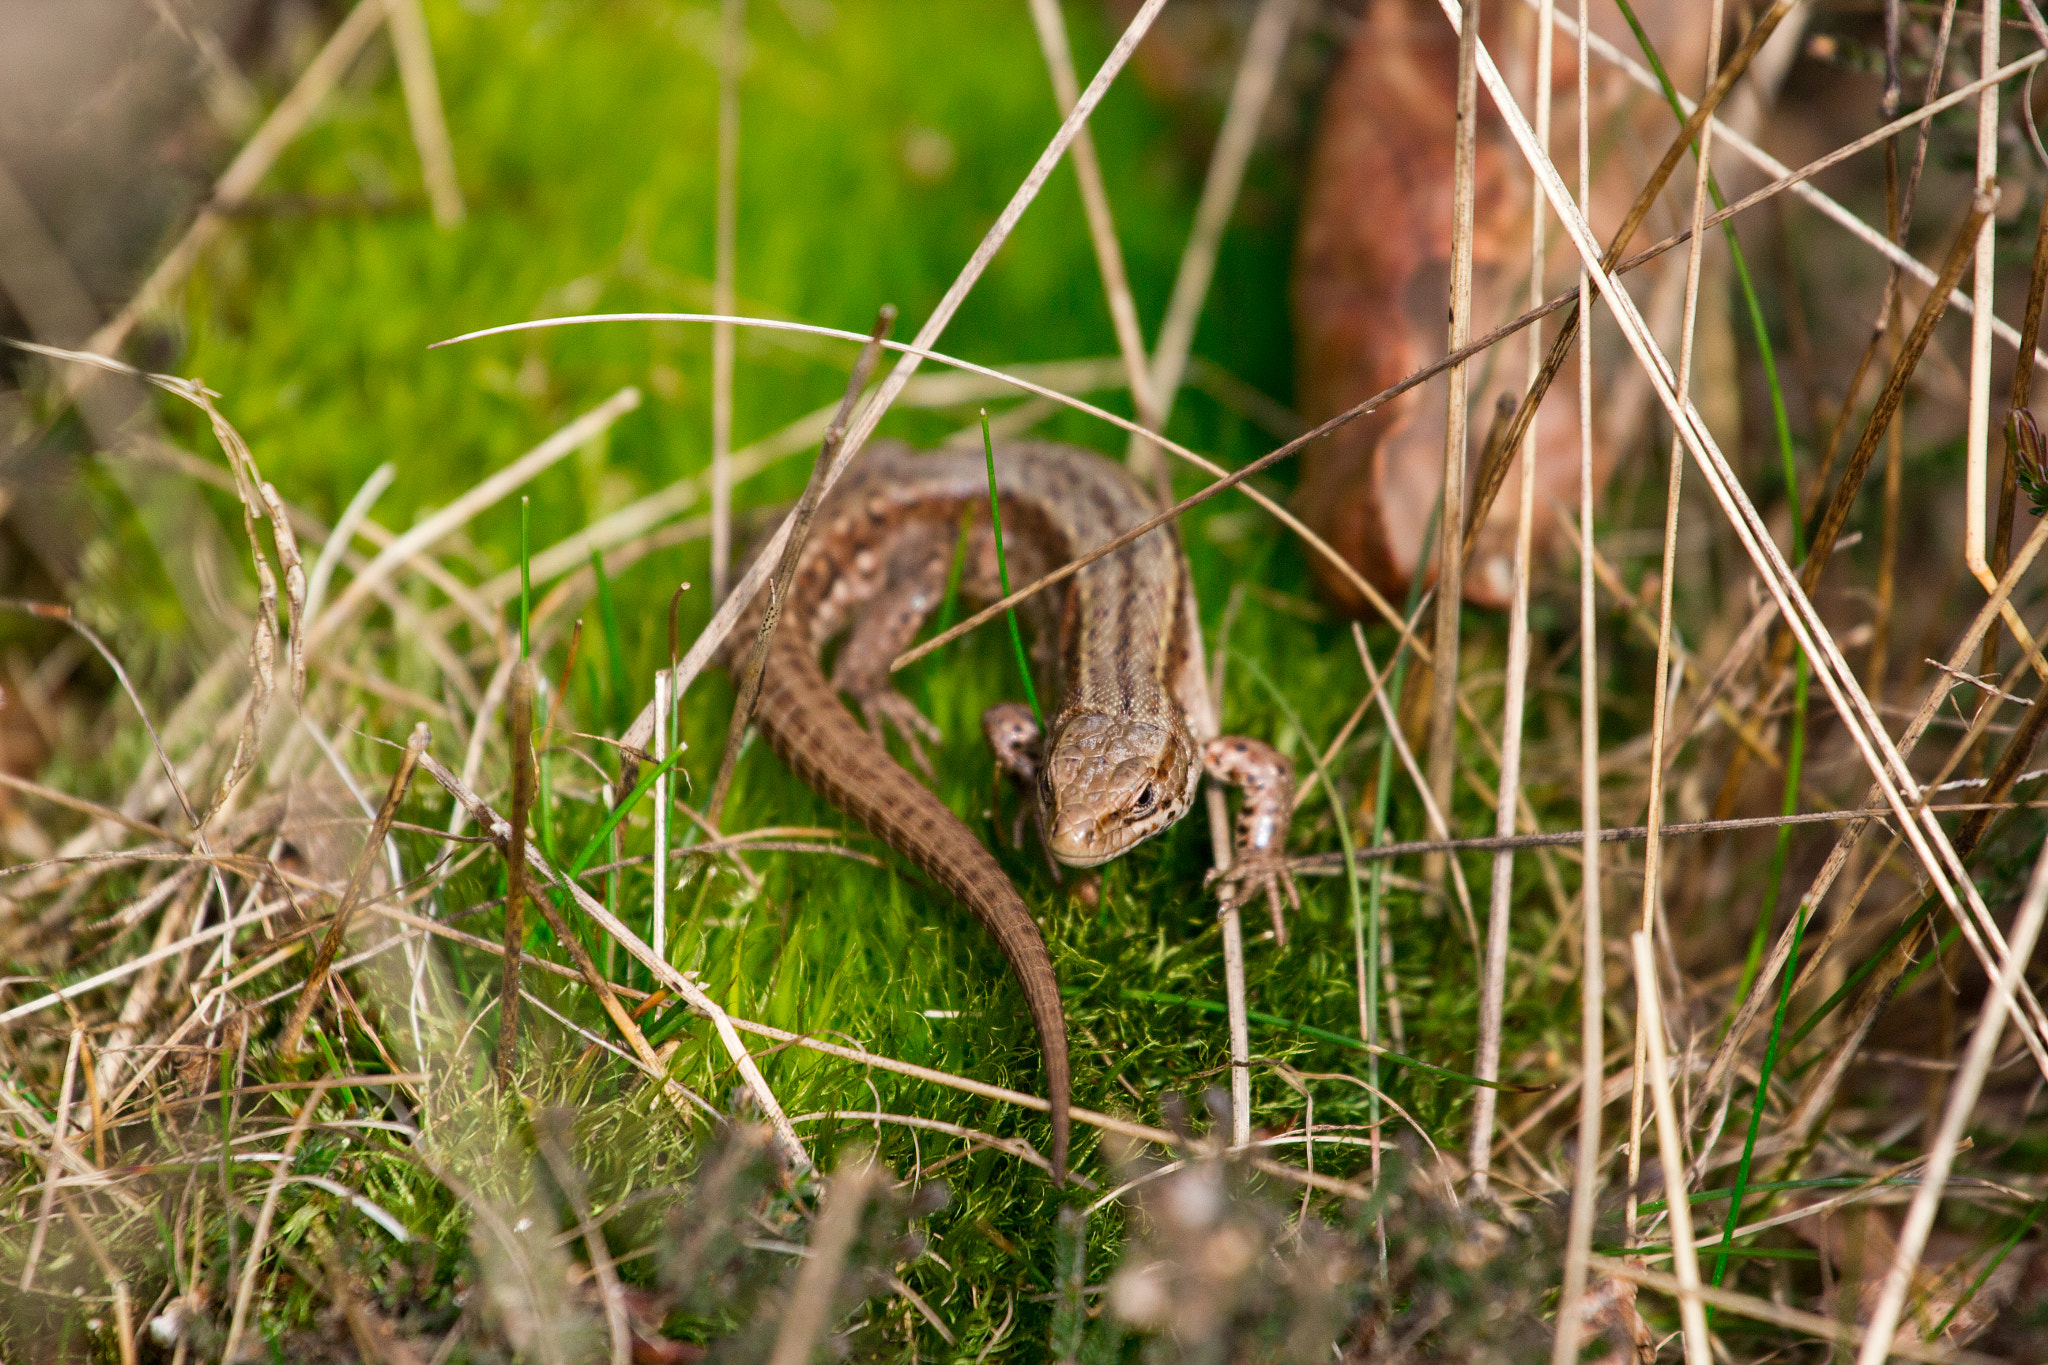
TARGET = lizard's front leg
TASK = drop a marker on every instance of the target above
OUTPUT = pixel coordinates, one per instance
(885, 626)
(1265, 781)
(1019, 748)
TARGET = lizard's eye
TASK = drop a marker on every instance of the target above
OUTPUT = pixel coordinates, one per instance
(1146, 799)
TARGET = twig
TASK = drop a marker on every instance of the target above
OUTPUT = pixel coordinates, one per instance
(799, 523)
(423, 108)
(352, 894)
(1670, 1152)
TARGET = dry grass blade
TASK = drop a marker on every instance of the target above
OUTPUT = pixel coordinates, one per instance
(749, 690)
(60, 1137)
(245, 1291)
(1451, 555)
(352, 895)
(1109, 257)
(1670, 1152)
(432, 529)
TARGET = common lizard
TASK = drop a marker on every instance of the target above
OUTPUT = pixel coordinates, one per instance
(1133, 726)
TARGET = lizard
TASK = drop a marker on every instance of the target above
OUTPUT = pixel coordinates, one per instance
(1133, 727)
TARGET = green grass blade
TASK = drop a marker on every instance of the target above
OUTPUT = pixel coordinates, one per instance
(995, 520)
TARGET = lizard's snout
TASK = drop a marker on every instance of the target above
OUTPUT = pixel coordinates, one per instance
(1076, 839)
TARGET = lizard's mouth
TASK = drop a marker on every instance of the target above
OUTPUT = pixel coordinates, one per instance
(1085, 839)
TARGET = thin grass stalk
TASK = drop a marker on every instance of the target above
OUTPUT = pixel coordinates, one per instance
(352, 894)
(519, 736)
(2019, 400)
(1969, 1082)
(1592, 974)
(1670, 1151)
(60, 1137)
(1895, 474)
(1230, 920)
(259, 1237)
(1977, 439)
(657, 923)
(1450, 569)
(725, 249)
(1660, 700)
(1493, 988)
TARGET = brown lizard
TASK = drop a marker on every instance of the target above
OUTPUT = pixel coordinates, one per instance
(1133, 727)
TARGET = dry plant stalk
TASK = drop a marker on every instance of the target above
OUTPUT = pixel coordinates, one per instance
(519, 737)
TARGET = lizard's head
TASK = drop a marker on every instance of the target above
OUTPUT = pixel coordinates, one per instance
(1110, 783)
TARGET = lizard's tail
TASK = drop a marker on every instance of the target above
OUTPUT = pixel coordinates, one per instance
(823, 744)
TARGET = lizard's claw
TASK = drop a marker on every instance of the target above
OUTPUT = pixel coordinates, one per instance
(1241, 882)
(890, 709)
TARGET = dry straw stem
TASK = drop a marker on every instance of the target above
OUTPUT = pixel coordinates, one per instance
(1763, 1310)
(423, 109)
(1508, 792)
(1670, 1152)
(749, 690)
(1450, 568)
(1969, 1081)
(352, 894)
(1662, 690)
(1564, 1347)
(243, 174)
(1977, 437)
